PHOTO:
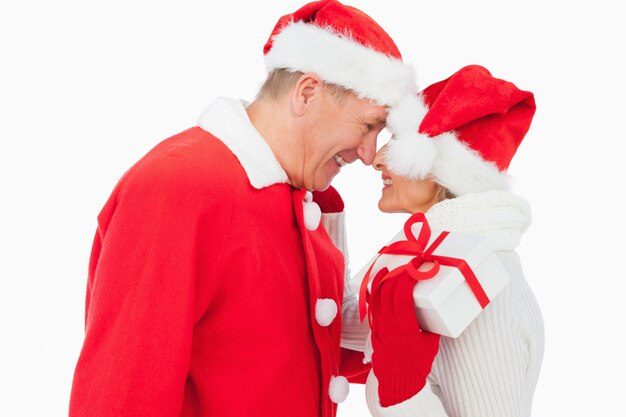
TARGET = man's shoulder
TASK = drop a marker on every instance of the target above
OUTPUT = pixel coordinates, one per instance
(192, 168)
(190, 173)
(191, 158)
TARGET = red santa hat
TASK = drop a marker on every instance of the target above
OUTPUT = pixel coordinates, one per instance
(476, 123)
(346, 47)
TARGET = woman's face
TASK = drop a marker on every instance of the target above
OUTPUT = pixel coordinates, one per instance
(402, 195)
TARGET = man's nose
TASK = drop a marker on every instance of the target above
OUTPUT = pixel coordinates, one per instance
(367, 151)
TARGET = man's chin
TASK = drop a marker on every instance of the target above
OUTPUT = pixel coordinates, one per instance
(319, 188)
(324, 185)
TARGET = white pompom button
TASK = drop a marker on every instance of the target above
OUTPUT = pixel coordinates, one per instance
(338, 389)
(325, 311)
(312, 215)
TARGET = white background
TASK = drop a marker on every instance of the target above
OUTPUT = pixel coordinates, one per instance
(86, 88)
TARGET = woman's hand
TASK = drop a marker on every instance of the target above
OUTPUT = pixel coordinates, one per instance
(403, 354)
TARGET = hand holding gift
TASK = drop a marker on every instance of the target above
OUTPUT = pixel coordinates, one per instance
(403, 354)
(455, 275)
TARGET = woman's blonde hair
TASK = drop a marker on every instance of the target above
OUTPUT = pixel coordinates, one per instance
(444, 194)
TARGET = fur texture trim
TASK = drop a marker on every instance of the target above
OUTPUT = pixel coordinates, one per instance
(448, 160)
(340, 60)
(227, 120)
(407, 114)
(411, 155)
(462, 170)
(452, 163)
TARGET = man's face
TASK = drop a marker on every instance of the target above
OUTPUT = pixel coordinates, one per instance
(339, 133)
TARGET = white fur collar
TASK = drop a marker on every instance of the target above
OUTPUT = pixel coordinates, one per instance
(227, 120)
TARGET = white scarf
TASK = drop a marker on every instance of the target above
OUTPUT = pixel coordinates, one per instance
(500, 215)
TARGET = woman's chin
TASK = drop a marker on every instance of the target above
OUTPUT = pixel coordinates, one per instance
(386, 207)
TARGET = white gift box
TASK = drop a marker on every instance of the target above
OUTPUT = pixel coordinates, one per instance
(445, 304)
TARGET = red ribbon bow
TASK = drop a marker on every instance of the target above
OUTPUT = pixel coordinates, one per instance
(416, 247)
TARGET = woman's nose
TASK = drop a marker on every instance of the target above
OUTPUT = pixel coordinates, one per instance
(379, 159)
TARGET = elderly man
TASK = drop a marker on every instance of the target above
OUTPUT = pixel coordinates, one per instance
(212, 290)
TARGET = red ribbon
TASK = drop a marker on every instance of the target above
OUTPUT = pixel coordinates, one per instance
(416, 247)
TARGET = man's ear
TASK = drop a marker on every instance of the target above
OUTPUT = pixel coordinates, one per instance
(307, 89)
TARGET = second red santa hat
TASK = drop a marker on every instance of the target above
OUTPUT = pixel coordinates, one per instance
(475, 122)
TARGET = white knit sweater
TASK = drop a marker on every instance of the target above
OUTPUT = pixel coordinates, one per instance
(491, 370)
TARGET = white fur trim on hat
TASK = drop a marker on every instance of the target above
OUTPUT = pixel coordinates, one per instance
(462, 170)
(409, 153)
(445, 157)
(407, 114)
(340, 60)
(338, 389)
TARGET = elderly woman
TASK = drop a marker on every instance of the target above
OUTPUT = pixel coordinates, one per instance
(455, 173)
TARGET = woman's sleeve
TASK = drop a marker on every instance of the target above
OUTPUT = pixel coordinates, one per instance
(425, 403)
(482, 373)
(353, 332)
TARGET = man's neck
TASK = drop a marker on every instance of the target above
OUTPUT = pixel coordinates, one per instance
(271, 119)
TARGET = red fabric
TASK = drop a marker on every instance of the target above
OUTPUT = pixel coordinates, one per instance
(352, 366)
(201, 294)
(329, 200)
(345, 20)
(403, 354)
(488, 114)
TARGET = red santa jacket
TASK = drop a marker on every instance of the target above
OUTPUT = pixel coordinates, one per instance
(204, 283)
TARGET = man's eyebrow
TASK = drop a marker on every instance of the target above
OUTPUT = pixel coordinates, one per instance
(377, 120)
(374, 119)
